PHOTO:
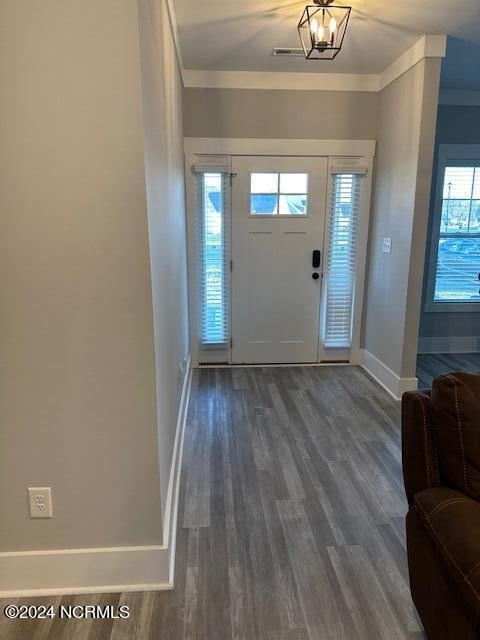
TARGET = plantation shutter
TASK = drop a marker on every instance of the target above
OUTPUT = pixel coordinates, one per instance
(212, 184)
(342, 247)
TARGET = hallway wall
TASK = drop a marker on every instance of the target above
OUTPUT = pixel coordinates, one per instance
(251, 113)
(164, 170)
(76, 336)
(407, 118)
(91, 221)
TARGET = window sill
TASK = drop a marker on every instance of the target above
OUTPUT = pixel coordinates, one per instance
(452, 307)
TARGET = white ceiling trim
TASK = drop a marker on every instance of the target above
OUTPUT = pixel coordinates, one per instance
(176, 38)
(425, 47)
(278, 80)
(429, 46)
(459, 98)
(275, 147)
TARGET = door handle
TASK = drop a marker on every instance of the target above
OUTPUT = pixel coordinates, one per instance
(316, 257)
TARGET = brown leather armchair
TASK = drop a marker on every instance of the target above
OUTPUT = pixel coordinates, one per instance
(441, 465)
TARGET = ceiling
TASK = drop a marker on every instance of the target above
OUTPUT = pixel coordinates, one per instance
(228, 35)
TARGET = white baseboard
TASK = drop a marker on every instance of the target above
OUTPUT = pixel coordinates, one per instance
(108, 570)
(449, 344)
(64, 571)
(385, 377)
(171, 506)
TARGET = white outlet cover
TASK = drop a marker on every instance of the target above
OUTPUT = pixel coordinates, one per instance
(40, 502)
(387, 245)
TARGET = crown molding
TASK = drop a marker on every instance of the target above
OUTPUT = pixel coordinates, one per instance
(432, 46)
(456, 98)
(429, 46)
(176, 38)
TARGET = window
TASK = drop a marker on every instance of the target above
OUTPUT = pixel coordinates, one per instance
(211, 202)
(455, 263)
(282, 194)
(342, 242)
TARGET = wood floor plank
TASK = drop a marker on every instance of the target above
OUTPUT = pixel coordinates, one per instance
(384, 618)
(319, 604)
(291, 517)
(430, 366)
(138, 624)
(285, 587)
(356, 600)
(291, 634)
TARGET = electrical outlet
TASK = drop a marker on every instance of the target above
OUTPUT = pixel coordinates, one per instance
(387, 245)
(40, 502)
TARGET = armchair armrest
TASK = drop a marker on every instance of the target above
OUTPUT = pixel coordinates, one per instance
(452, 520)
(419, 455)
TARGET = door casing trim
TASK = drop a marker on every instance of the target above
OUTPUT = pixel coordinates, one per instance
(251, 147)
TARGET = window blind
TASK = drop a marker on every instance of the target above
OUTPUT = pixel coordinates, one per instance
(342, 248)
(212, 206)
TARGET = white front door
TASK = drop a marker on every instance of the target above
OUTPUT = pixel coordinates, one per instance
(278, 219)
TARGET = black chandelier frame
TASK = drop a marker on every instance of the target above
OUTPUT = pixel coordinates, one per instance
(329, 48)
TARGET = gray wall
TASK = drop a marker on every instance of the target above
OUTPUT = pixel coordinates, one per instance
(164, 164)
(244, 113)
(455, 125)
(402, 119)
(406, 129)
(79, 400)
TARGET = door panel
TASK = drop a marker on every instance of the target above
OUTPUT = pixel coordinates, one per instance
(275, 300)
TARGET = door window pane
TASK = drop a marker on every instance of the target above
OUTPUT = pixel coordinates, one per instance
(263, 204)
(273, 193)
(293, 205)
(293, 182)
(264, 183)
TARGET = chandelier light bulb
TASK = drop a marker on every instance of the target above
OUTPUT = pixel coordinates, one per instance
(314, 26)
(332, 25)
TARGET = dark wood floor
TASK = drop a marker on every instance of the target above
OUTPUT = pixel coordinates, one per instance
(291, 518)
(430, 366)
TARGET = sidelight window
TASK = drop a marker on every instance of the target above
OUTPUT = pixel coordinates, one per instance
(212, 216)
(342, 247)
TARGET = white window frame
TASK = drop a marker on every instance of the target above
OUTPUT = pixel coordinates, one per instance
(447, 153)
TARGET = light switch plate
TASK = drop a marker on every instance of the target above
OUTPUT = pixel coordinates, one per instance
(40, 502)
(387, 245)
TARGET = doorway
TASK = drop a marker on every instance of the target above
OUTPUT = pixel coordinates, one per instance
(278, 220)
(277, 252)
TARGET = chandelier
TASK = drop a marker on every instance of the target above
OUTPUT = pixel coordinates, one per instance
(322, 29)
